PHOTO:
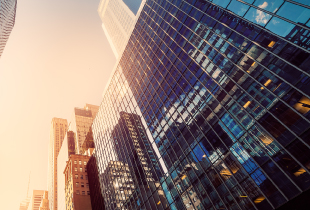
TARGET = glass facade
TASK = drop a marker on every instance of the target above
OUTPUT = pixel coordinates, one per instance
(7, 21)
(221, 91)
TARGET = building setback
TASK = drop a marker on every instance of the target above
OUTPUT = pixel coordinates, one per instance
(76, 180)
(36, 199)
(7, 21)
(44, 203)
(222, 89)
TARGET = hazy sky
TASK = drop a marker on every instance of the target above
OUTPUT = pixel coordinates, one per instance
(57, 58)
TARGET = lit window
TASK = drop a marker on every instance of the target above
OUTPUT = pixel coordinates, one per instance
(75, 169)
(77, 184)
(271, 44)
(81, 169)
(76, 176)
(80, 162)
(75, 162)
(84, 163)
(77, 192)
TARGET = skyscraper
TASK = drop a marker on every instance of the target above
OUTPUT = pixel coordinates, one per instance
(80, 124)
(118, 19)
(57, 133)
(24, 204)
(78, 140)
(223, 90)
(7, 21)
(36, 199)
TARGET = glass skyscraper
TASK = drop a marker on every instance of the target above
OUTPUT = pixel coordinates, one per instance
(222, 92)
(7, 21)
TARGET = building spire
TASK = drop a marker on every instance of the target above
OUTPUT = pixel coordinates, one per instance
(28, 184)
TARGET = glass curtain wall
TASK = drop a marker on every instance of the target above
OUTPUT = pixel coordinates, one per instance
(222, 92)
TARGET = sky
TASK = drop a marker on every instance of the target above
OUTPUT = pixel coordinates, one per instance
(57, 58)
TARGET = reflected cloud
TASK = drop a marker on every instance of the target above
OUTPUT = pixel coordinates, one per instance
(262, 17)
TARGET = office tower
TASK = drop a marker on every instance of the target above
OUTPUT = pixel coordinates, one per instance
(44, 203)
(223, 88)
(24, 204)
(7, 21)
(118, 19)
(223, 91)
(36, 199)
(96, 196)
(80, 124)
(57, 132)
(76, 183)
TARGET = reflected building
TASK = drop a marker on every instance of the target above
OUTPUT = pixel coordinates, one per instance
(7, 21)
(222, 92)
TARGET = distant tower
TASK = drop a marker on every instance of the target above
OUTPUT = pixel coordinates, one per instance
(7, 21)
(36, 199)
(25, 203)
(118, 20)
(57, 133)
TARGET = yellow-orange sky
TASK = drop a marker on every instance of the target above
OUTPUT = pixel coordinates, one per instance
(57, 58)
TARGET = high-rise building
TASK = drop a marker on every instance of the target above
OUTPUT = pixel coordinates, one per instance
(118, 19)
(96, 195)
(24, 204)
(78, 140)
(80, 124)
(7, 21)
(222, 88)
(57, 133)
(36, 199)
(44, 203)
(76, 180)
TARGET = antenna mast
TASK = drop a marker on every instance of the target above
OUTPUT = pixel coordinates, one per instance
(28, 184)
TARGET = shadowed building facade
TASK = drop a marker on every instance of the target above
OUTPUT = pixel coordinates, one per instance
(7, 21)
(96, 196)
(222, 88)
